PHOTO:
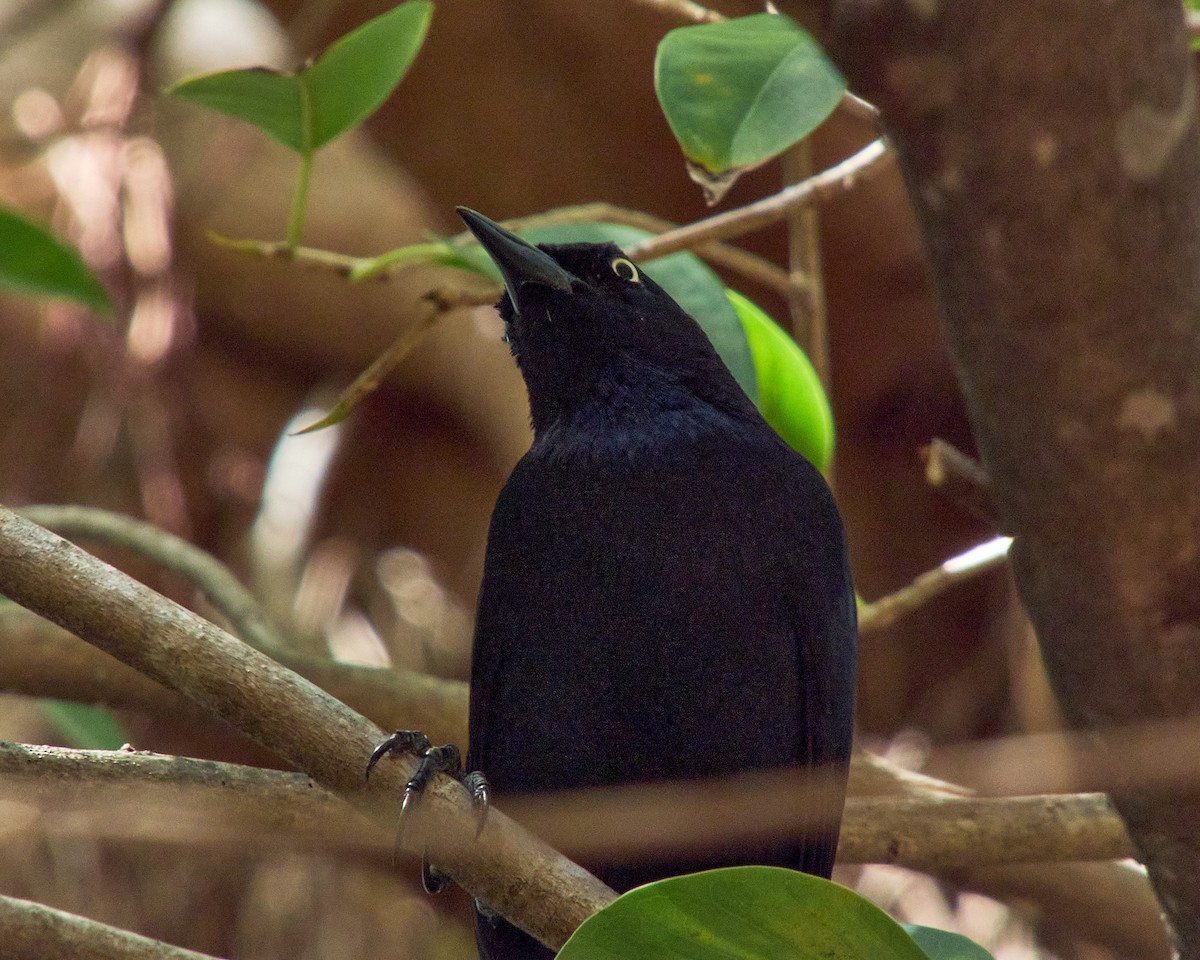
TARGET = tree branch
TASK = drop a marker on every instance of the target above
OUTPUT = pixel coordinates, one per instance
(959, 477)
(515, 873)
(198, 802)
(38, 659)
(881, 613)
(762, 213)
(204, 571)
(31, 931)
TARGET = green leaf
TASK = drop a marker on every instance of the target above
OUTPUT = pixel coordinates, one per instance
(739, 92)
(306, 110)
(683, 275)
(791, 398)
(1193, 5)
(741, 913)
(84, 726)
(34, 261)
(358, 72)
(943, 945)
(269, 99)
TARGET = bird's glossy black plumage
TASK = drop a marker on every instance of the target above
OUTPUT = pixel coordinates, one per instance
(666, 593)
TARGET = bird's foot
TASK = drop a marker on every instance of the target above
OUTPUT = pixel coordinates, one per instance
(445, 759)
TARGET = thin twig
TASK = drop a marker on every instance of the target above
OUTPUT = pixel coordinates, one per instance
(807, 300)
(857, 107)
(885, 611)
(339, 263)
(959, 477)
(837, 179)
(368, 381)
(685, 10)
(732, 258)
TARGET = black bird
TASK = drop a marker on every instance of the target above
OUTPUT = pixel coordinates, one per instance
(666, 593)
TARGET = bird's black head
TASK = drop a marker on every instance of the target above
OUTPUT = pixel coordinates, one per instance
(588, 327)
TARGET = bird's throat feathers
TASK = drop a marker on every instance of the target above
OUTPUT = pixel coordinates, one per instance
(620, 409)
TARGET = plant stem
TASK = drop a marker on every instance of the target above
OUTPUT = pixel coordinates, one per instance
(299, 201)
(304, 175)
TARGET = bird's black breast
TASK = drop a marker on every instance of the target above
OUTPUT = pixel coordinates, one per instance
(672, 615)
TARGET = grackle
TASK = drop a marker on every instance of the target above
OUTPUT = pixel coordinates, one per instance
(666, 592)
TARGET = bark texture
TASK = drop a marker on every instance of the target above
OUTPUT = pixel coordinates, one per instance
(1050, 151)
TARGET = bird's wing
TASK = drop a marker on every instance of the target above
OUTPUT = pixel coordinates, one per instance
(824, 623)
(506, 618)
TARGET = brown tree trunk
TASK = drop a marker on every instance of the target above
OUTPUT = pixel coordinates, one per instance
(1050, 151)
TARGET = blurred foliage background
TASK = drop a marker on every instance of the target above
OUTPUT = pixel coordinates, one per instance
(370, 536)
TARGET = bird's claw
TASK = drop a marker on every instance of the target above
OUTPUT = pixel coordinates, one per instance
(402, 741)
(481, 795)
(445, 759)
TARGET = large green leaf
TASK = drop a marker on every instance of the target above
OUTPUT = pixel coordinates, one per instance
(741, 913)
(791, 398)
(683, 275)
(944, 945)
(34, 261)
(307, 109)
(739, 92)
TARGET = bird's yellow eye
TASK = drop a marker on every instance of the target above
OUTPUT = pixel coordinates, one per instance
(625, 269)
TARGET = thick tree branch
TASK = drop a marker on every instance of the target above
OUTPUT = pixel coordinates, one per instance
(1053, 159)
(199, 802)
(515, 873)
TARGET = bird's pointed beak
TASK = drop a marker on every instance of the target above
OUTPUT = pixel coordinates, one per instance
(520, 263)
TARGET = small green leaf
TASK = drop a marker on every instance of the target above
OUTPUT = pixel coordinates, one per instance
(739, 92)
(944, 945)
(358, 72)
(741, 913)
(84, 726)
(269, 99)
(34, 261)
(791, 398)
(683, 275)
(305, 110)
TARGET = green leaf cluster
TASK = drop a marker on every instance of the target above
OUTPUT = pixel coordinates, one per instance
(306, 109)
